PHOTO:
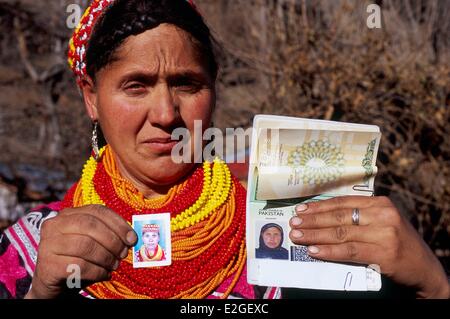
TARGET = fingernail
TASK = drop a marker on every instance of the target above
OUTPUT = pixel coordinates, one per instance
(131, 237)
(313, 249)
(116, 265)
(301, 208)
(124, 253)
(297, 233)
(296, 221)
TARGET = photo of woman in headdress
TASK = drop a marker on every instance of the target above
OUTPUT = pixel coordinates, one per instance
(151, 249)
(270, 242)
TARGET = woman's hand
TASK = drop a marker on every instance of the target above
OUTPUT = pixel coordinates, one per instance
(92, 237)
(383, 237)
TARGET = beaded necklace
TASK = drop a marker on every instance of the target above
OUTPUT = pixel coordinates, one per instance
(207, 223)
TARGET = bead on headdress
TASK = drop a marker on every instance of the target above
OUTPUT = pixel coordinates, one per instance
(150, 228)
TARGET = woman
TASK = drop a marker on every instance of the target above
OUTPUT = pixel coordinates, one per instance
(270, 240)
(146, 67)
(150, 249)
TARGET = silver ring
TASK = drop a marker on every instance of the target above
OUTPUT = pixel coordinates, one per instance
(355, 216)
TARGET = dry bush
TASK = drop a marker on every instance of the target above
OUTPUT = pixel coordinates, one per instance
(42, 121)
(318, 59)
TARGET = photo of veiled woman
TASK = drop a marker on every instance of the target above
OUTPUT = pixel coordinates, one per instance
(271, 238)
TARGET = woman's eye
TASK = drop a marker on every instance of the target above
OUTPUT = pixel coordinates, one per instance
(135, 88)
(188, 86)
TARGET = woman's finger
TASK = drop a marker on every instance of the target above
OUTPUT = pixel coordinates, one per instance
(339, 235)
(338, 217)
(85, 247)
(352, 252)
(114, 221)
(340, 202)
(96, 229)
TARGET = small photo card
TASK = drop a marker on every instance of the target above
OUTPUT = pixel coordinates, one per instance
(154, 246)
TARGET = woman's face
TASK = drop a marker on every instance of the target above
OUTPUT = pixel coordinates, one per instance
(150, 239)
(156, 82)
(272, 237)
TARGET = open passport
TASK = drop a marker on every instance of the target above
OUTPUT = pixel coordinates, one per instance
(292, 161)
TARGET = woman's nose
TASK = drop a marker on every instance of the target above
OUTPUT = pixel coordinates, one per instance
(164, 108)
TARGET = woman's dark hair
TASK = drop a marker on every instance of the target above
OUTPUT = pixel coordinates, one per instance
(132, 17)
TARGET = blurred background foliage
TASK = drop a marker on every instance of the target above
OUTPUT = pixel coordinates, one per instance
(305, 58)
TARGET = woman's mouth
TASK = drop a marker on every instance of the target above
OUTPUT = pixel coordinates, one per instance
(161, 145)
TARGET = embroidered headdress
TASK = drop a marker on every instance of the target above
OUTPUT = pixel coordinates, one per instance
(80, 38)
(150, 228)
